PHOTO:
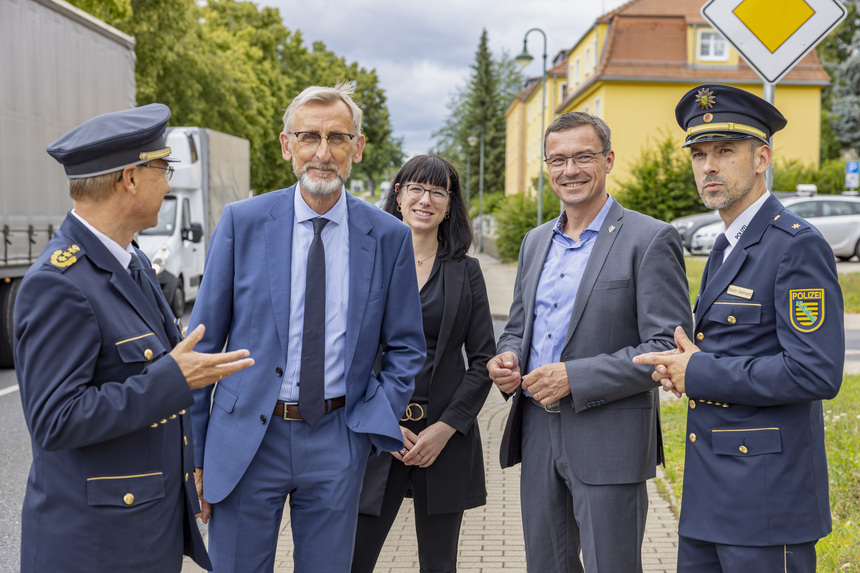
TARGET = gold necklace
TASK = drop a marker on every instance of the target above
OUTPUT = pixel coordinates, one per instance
(421, 262)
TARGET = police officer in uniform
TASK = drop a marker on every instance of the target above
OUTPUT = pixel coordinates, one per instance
(769, 347)
(104, 374)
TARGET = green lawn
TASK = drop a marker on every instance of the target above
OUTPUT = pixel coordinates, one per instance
(850, 283)
(840, 551)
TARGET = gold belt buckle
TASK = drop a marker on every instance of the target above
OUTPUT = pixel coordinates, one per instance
(286, 418)
(408, 415)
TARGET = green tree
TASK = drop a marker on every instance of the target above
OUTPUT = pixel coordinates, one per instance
(481, 103)
(516, 215)
(834, 52)
(233, 66)
(845, 94)
(661, 182)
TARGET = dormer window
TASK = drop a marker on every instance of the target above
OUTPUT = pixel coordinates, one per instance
(712, 46)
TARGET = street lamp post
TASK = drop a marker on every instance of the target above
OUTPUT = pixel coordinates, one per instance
(468, 179)
(472, 141)
(525, 59)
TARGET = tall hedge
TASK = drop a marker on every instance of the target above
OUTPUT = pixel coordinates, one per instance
(662, 183)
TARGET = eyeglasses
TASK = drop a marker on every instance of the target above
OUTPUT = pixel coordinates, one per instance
(313, 139)
(580, 159)
(168, 171)
(437, 195)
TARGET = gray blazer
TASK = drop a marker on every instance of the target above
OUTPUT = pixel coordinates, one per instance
(632, 296)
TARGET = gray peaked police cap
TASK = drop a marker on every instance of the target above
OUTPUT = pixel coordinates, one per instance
(113, 141)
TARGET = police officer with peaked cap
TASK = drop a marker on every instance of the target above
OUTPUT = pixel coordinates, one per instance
(767, 348)
(104, 374)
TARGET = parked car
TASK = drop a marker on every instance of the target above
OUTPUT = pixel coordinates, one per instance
(837, 217)
(688, 225)
(703, 239)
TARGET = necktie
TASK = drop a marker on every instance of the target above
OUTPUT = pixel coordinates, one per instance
(716, 258)
(312, 372)
(139, 276)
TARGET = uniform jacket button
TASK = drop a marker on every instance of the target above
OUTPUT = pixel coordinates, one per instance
(186, 476)
(732, 320)
(173, 416)
(692, 405)
(147, 354)
(185, 440)
(181, 412)
(693, 437)
(743, 450)
(700, 337)
(128, 499)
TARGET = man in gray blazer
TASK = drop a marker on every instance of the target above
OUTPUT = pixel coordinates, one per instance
(594, 288)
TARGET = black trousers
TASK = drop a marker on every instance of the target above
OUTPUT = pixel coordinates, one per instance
(438, 534)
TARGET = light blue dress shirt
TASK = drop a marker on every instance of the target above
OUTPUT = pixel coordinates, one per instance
(335, 237)
(559, 283)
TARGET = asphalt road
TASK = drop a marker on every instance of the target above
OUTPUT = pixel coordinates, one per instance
(16, 457)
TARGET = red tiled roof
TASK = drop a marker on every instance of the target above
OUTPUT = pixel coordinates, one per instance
(647, 41)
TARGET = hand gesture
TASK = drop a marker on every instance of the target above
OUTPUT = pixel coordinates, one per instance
(504, 371)
(201, 369)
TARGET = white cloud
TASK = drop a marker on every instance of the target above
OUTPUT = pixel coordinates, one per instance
(422, 51)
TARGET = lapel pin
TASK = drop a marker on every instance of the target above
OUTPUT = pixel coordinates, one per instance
(611, 228)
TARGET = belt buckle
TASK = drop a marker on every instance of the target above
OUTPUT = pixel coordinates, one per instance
(554, 408)
(408, 415)
(286, 418)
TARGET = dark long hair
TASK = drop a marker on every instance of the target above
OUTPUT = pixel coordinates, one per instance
(455, 232)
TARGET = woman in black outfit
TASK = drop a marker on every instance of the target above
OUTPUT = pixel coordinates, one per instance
(441, 464)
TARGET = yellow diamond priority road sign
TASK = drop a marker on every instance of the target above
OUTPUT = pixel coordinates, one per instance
(773, 35)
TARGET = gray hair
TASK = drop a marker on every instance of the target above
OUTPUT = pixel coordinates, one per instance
(576, 119)
(342, 91)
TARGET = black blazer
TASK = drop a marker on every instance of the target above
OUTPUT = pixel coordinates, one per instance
(455, 481)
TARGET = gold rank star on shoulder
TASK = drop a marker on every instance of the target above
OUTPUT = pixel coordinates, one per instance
(65, 258)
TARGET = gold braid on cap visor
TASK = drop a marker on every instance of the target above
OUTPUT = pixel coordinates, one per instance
(726, 127)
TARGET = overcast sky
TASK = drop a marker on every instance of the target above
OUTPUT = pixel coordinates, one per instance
(422, 50)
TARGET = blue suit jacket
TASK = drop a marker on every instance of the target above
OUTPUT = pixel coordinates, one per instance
(110, 487)
(244, 302)
(756, 470)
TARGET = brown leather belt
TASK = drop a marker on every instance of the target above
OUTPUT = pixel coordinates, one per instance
(290, 410)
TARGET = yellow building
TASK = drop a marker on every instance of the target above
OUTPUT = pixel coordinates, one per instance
(631, 67)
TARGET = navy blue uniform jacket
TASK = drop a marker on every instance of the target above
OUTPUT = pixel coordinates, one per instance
(770, 327)
(111, 485)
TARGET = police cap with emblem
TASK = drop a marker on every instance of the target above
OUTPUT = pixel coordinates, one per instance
(715, 112)
(113, 141)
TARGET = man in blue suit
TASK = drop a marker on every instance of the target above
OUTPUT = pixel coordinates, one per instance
(104, 373)
(316, 282)
(770, 346)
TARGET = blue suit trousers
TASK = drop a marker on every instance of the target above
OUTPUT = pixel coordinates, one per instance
(320, 469)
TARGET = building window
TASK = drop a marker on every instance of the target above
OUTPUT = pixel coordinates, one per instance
(712, 46)
(595, 53)
(597, 107)
(587, 56)
(576, 75)
(563, 92)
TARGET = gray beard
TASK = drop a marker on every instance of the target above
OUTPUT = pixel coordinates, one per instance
(321, 188)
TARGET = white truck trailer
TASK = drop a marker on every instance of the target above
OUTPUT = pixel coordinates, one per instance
(59, 66)
(214, 169)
